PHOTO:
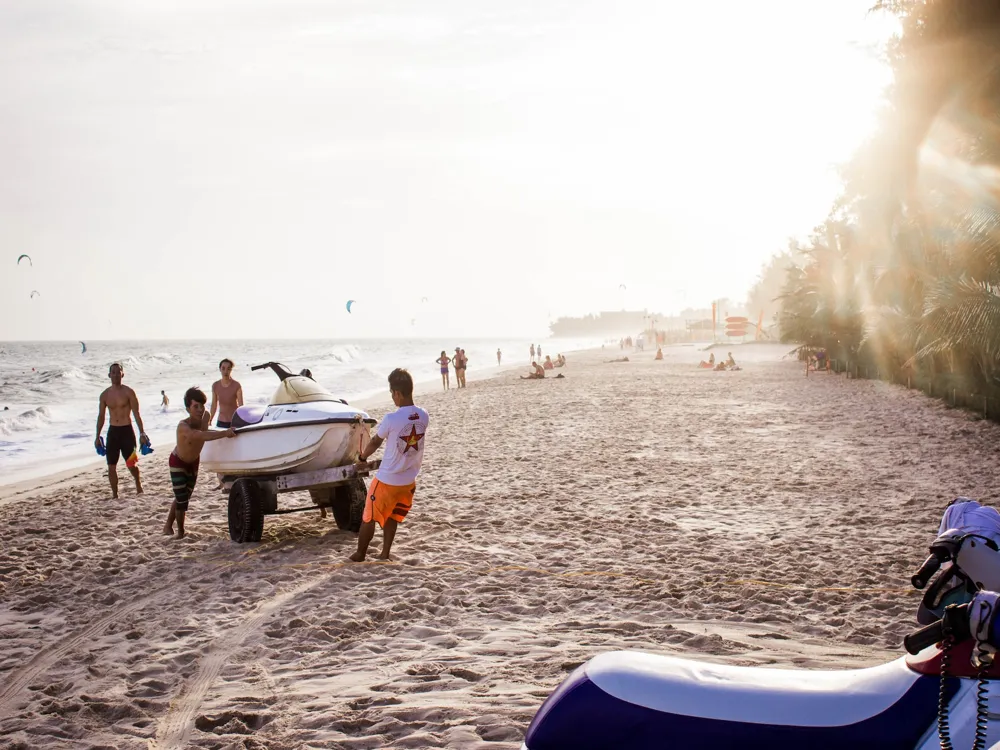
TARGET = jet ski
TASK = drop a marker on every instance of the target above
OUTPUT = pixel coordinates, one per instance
(303, 428)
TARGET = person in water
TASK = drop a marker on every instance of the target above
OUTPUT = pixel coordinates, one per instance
(444, 360)
(390, 496)
(538, 373)
(165, 403)
(227, 396)
(192, 434)
(121, 403)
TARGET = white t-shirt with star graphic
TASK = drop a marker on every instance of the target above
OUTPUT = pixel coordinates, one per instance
(403, 432)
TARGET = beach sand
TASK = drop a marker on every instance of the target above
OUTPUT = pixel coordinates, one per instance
(753, 517)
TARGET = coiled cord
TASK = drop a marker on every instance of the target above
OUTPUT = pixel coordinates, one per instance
(944, 731)
(982, 696)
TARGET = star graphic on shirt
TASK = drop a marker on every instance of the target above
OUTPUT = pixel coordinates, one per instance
(412, 440)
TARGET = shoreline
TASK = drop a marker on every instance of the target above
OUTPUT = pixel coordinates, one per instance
(26, 480)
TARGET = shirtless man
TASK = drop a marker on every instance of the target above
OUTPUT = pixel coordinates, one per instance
(122, 403)
(227, 396)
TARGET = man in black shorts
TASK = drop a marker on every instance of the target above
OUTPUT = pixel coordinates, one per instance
(121, 402)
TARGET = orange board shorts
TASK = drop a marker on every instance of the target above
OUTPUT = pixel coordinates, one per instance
(388, 501)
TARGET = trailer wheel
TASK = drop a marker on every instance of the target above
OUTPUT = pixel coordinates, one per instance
(246, 511)
(348, 504)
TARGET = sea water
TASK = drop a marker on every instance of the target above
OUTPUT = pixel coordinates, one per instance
(51, 390)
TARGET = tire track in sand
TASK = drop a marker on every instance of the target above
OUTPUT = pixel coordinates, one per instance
(44, 659)
(174, 729)
(20, 678)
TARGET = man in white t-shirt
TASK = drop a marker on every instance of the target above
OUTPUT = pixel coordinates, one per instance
(391, 493)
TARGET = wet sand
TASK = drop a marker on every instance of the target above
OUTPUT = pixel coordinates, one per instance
(753, 517)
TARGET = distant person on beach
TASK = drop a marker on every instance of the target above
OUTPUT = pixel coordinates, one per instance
(538, 350)
(548, 363)
(659, 353)
(444, 360)
(537, 374)
(730, 362)
(165, 403)
(227, 396)
(465, 366)
(532, 350)
(459, 365)
(560, 361)
(192, 434)
(499, 355)
(121, 403)
(390, 496)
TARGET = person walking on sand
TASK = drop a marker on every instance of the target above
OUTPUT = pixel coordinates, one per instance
(444, 360)
(390, 496)
(538, 351)
(192, 434)
(121, 403)
(532, 350)
(227, 396)
(165, 403)
(499, 355)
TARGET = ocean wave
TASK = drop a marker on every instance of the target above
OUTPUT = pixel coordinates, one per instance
(71, 373)
(342, 353)
(25, 421)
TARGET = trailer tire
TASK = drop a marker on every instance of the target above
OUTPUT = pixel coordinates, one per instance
(246, 511)
(348, 504)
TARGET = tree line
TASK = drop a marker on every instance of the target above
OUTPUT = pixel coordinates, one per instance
(903, 277)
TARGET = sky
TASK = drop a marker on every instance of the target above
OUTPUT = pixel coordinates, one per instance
(240, 169)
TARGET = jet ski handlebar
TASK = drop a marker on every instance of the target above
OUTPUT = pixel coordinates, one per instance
(279, 369)
(954, 623)
(928, 569)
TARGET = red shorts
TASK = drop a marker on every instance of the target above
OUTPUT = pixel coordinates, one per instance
(388, 501)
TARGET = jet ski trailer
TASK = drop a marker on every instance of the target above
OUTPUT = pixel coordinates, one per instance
(342, 489)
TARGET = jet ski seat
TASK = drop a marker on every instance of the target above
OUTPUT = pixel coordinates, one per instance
(639, 701)
(248, 415)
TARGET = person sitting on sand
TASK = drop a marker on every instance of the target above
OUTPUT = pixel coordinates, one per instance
(730, 362)
(538, 373)
(560, 361)
(659, 353)
(192, 434)
(390, 496)
(547, 365)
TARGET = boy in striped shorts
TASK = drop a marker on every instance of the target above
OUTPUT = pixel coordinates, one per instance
(192, 434)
